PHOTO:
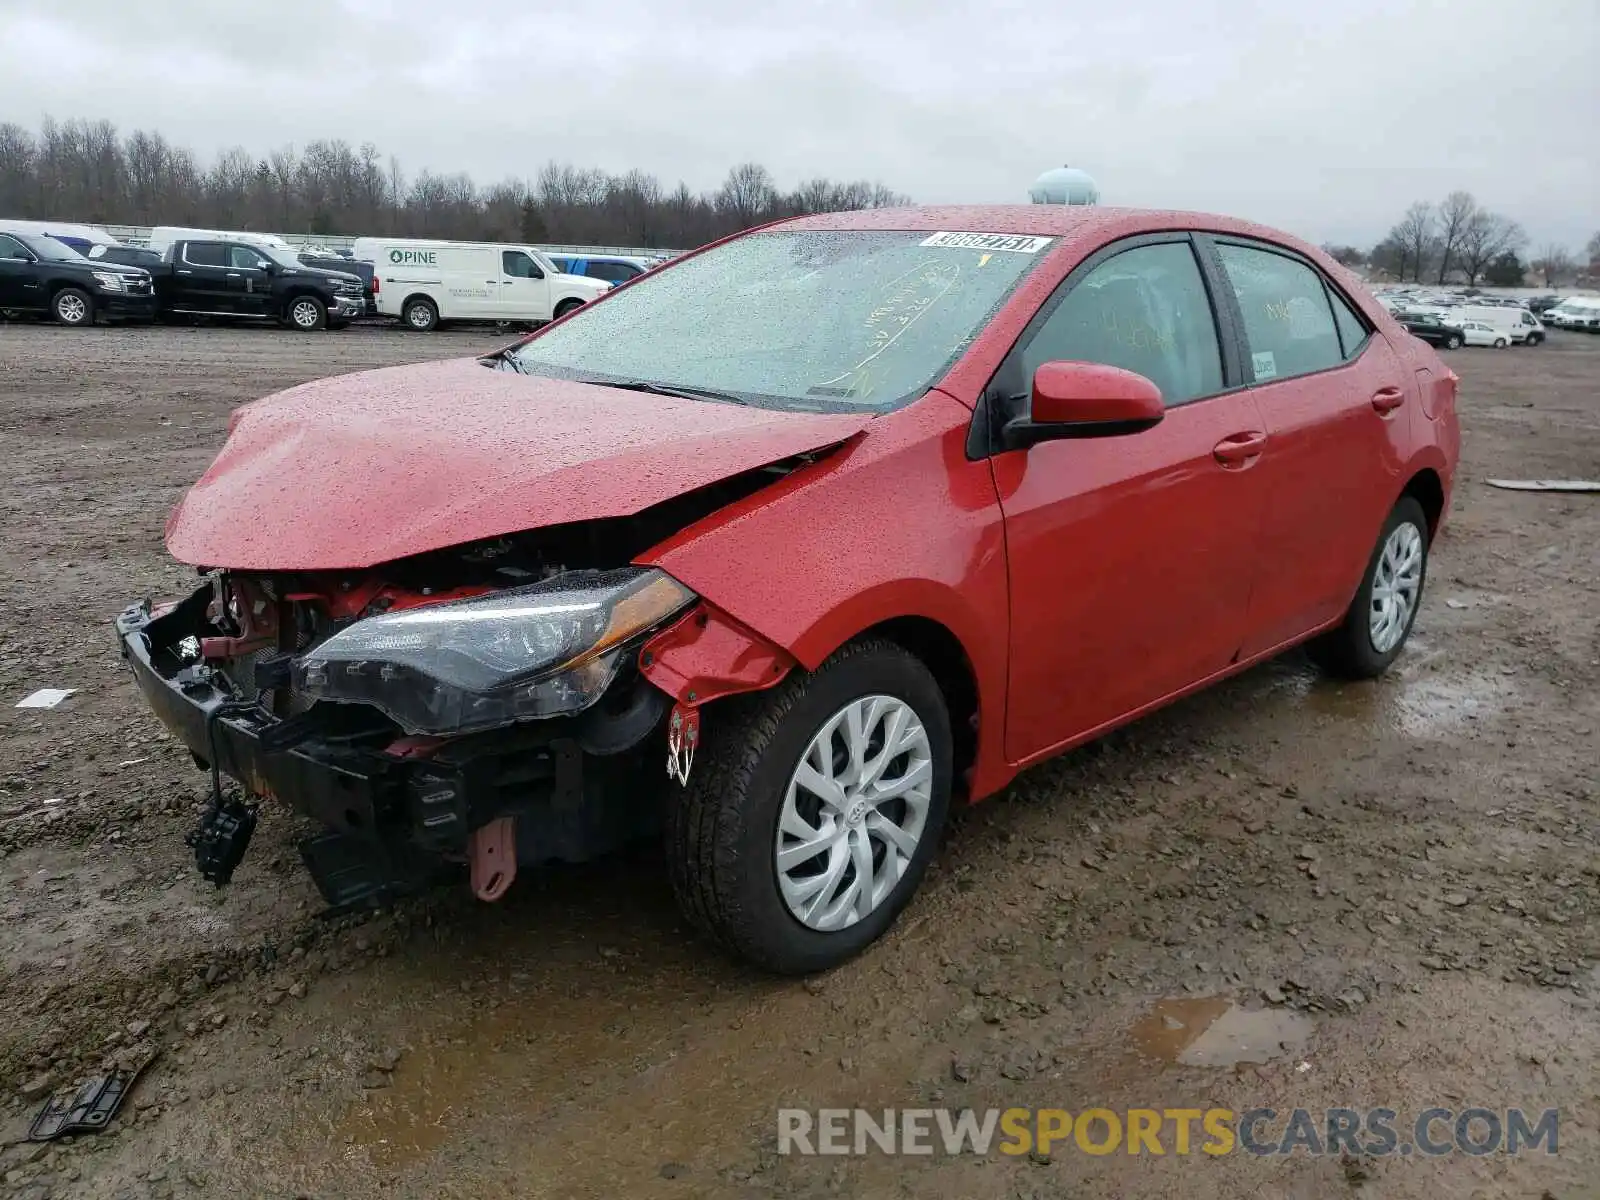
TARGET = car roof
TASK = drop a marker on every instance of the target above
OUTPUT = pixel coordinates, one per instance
(1070, 221)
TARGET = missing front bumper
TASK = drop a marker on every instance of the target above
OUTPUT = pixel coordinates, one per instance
(397, 811)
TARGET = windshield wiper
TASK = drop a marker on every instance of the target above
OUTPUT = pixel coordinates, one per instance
(669, 389)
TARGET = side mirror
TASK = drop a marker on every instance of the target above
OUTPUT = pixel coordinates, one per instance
(1084, 400)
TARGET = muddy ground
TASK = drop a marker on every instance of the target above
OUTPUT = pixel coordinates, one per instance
(1410, 865)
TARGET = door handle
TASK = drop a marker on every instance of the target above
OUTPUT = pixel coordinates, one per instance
(1240, 449)
(185, 272)
(1387, 399)
(233, 274)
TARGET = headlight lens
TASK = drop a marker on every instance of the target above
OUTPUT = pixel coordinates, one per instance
(108, 281)
(528, 652)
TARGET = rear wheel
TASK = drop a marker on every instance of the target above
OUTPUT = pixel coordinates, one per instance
(70, 306)
(420, 314)
(307, 314)
(1453, 342)
(813, 810)
(1379, 619)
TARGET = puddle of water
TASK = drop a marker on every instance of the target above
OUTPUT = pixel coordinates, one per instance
(1412, 699)
(1211, 1031)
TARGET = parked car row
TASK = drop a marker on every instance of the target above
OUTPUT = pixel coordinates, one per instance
(188, 274)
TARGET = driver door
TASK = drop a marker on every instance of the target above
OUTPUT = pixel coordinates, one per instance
(19, 280)
(248, 281)
(1131, 558)
(524, 289)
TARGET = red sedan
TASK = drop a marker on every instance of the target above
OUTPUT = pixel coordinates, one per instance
(780, 547)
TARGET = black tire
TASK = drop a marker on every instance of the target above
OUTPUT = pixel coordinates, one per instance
(1500, 344)
(420, 315)
(72, 306)
(721, 832)
(1453, 342)
(567, 306)
(1347, 651)
(305, 314)
(1535, 338)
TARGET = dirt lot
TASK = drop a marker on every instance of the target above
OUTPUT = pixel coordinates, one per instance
(1398, 879)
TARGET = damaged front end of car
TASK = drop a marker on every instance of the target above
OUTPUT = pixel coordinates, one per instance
(508, 711)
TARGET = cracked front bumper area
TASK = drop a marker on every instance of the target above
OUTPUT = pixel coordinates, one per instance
(399, 812)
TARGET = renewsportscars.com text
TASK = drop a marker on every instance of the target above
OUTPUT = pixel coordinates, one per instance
(1158, 1131)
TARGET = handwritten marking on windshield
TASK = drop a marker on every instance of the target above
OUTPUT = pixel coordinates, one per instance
(899, 310)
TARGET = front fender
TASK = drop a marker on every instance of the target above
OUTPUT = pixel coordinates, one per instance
(901, 525)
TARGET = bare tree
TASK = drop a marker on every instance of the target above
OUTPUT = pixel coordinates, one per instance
(1455, 215)
(1485, 238)
(747, 195)
(1413, 237)
(1554, 263)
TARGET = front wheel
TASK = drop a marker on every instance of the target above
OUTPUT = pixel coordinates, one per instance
(1380, 617)
(1453, 342)
(307, 314)
(1499, 343)
(72, 307)
(1535, 338)
(567, 306)
(814, 810)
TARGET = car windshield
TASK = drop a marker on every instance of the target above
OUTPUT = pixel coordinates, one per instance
(813, 321)
(48, 248)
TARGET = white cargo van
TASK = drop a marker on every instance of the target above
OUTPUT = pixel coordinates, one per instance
(1518, 324)
(425, 282)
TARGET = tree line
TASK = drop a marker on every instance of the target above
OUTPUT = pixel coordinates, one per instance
(1458, 238)
(86, 171)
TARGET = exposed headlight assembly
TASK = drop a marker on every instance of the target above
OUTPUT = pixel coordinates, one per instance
(467, 665)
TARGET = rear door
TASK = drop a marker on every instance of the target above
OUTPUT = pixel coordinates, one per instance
(524, 288)
(199, 278)
(1335, 398)
(1131, 558)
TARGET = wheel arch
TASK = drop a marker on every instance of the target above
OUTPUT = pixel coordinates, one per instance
(1427, 488)
(937, 647)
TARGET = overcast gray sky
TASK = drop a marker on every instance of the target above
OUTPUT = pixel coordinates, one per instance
(1326, 119)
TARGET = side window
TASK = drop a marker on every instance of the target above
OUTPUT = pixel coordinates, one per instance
(11, 248)
(205, 254)
(242, 257)
(1353, 331)
(519, 266)
(1144, 310)
(615, 272)
(1287, 318)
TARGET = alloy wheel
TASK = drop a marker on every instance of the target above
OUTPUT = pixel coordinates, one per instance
(71, 309)
(304, 314)
(1396, 586)
(854, 813)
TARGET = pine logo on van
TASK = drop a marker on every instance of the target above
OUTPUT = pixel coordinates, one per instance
(416, 258)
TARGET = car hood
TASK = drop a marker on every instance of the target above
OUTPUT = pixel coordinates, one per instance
(582, 281)
(324, 274)
(364, 469)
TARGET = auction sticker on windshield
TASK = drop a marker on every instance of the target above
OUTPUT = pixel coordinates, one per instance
(1016, 243)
